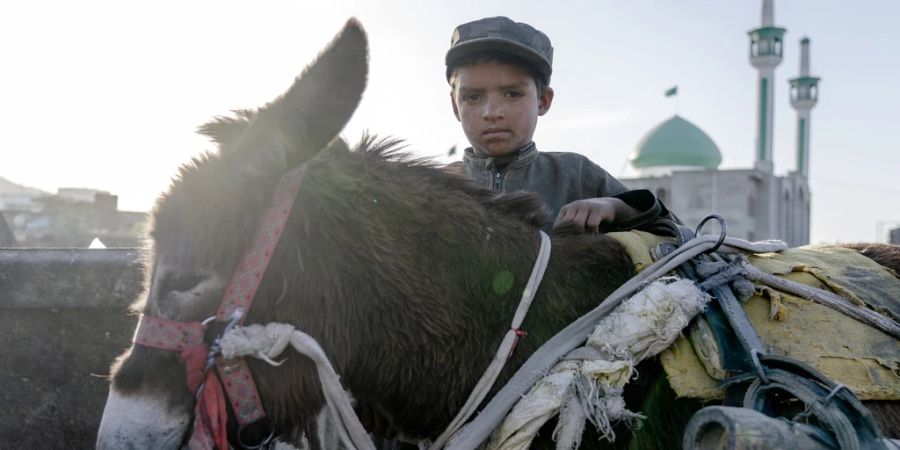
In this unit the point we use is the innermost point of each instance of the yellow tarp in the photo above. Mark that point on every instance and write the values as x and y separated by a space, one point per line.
638 245
848 351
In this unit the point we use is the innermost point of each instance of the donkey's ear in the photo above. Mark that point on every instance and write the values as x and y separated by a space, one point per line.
320 102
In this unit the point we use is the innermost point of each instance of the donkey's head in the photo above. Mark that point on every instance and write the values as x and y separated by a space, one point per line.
206 221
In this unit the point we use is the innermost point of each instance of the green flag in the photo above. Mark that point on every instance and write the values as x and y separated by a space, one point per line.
672 91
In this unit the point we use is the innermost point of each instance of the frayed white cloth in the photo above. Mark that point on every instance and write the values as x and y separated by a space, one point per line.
263 342
268 341
649 322
580 389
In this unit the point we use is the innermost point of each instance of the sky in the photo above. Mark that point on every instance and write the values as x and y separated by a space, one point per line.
108 94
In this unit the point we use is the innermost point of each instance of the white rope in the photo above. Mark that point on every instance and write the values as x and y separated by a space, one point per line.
269 341
506 346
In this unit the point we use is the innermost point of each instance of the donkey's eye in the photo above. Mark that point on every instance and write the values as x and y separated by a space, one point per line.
178 282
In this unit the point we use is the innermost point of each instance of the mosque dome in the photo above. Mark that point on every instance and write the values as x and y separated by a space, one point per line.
676 143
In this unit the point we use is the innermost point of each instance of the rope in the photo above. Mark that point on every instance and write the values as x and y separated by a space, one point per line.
504 352
269 341
833 301
473 434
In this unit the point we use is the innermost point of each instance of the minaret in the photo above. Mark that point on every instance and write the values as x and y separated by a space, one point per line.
765 55
804 95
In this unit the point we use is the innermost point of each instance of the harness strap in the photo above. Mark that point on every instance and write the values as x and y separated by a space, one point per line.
574 335
168 334
833 301
504 352
249 272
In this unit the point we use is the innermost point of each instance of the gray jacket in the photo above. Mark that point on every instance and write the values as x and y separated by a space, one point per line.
560 178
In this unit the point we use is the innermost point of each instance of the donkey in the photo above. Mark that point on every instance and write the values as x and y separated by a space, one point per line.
407 275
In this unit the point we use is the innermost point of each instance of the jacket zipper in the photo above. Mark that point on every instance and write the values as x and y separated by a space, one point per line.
498 179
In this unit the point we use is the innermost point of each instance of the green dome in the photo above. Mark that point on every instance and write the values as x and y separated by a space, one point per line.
676 142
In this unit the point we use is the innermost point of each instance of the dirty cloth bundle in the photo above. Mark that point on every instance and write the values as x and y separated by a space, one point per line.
587 385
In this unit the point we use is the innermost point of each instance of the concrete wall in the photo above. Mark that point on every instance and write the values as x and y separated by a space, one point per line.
63 319
752 201
693 195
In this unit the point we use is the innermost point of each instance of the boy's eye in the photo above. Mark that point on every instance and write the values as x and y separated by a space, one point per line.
470 97
514 94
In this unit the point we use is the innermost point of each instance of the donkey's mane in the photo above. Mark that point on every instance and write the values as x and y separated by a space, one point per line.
227 130
233 198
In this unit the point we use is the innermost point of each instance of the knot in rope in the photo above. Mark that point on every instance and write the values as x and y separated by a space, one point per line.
733 273
266 342
260 341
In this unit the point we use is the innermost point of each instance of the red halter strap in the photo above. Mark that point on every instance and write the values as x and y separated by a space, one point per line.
168 334
249 272
187 337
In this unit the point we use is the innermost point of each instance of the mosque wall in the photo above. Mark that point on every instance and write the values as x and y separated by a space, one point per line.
793 204
692 195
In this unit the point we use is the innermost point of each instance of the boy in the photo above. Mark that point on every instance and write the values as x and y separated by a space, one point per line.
499 73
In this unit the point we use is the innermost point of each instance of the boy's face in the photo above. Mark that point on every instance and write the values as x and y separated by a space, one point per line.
498 106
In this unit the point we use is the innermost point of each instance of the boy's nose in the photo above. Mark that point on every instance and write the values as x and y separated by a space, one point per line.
493 111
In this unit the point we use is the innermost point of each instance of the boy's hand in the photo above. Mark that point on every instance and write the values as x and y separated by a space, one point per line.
588 214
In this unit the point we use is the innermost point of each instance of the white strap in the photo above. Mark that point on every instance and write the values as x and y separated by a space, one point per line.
490 374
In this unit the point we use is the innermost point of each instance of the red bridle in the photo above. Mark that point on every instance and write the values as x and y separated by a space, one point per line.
187 338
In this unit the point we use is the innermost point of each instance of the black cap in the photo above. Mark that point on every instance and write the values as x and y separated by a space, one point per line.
501 34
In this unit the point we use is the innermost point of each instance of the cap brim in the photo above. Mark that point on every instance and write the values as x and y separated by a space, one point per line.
461 51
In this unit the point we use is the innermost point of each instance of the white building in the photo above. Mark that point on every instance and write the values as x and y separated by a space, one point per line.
679 162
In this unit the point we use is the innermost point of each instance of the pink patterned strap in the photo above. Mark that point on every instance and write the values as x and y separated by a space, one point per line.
241 390
250 269
168 334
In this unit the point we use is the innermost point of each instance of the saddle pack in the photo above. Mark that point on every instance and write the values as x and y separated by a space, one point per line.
849 352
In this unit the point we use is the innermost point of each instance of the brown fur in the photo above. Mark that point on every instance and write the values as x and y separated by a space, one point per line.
395 266
887 255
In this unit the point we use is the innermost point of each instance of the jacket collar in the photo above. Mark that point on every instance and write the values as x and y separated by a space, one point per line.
520 158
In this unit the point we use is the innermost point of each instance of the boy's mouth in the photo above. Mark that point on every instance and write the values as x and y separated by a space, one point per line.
494 133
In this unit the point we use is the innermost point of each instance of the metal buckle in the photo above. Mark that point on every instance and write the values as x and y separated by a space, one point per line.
723 230
216 348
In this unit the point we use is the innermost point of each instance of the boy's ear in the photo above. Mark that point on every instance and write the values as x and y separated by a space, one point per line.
545 100
453 103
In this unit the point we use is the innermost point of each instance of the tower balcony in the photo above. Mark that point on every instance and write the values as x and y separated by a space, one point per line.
804 92
766 46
